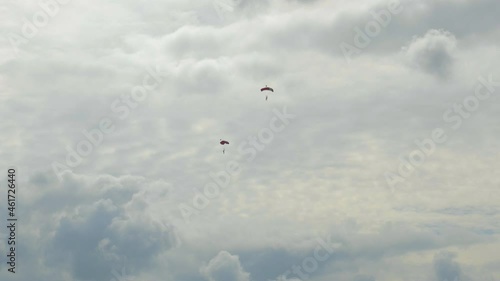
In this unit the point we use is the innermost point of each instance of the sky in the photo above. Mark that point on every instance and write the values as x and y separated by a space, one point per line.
374 159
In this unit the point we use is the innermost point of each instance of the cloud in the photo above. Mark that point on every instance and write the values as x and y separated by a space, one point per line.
94 236
323 174
225 267
446 269
364 277
433 53
101 237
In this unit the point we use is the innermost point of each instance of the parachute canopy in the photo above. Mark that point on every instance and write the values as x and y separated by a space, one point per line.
223 142
266 88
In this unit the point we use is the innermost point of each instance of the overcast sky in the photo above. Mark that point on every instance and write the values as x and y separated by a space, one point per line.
112 113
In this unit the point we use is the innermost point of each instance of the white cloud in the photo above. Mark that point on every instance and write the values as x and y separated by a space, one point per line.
224 267
323 174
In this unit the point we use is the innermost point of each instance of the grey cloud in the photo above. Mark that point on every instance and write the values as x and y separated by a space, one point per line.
446 269
102 224
355 251
353 123
77 238
102 237
364 277
264 264
433 53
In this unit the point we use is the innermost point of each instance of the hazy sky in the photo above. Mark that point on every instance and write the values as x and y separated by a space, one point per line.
112 112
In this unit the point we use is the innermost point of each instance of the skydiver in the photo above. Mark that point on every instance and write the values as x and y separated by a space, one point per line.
223 142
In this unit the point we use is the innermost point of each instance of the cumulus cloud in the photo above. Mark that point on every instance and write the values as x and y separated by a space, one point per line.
433 53
446 269
102 236
99 224
225 267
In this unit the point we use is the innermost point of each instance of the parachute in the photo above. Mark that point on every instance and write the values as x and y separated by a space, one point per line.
223 142
266 88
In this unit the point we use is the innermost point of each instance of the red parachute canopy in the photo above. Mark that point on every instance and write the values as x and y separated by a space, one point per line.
266 88
223 142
